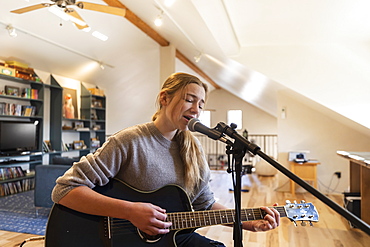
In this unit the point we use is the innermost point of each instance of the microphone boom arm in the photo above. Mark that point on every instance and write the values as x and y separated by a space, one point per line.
223 128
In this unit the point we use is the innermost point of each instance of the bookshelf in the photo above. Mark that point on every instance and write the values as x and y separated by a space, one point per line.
87 128
21 101
17 173
92 121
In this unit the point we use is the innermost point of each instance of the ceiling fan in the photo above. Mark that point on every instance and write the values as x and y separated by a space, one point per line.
68 7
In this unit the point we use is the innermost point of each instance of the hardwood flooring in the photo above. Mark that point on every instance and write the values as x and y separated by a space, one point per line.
332 230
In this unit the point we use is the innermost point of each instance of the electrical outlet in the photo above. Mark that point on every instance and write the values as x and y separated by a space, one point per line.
338 174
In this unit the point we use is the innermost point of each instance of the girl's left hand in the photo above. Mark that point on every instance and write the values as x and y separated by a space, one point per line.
270 221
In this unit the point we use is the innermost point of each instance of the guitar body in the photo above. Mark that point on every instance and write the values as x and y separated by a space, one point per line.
69 228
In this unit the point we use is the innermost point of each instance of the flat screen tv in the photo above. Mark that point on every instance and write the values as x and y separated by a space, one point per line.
17 137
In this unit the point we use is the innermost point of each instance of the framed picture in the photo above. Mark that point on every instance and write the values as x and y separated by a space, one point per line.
95 143
10 90
96 127
97 103
70 103
94 116
78 144
77 125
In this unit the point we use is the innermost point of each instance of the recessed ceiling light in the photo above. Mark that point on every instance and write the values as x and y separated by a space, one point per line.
100 36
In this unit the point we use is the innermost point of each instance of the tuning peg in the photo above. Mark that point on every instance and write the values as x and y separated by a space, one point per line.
287 202
311 223
295 202
303 223
303 201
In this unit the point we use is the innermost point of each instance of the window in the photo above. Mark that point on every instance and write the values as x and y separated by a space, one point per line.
236 117
205 118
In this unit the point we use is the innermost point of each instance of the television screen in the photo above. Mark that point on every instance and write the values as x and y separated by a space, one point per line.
18 136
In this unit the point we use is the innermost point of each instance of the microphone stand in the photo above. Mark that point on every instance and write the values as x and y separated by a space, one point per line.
238 152
253 148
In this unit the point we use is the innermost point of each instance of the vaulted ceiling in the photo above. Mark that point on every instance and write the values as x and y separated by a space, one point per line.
317 48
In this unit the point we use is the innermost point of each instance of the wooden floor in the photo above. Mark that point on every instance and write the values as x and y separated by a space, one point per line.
331 231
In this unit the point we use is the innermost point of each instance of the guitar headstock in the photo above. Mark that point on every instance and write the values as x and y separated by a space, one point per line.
301 212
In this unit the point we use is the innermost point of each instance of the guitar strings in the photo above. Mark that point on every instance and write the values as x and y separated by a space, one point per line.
185 220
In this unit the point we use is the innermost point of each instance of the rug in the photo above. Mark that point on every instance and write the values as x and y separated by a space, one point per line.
18 214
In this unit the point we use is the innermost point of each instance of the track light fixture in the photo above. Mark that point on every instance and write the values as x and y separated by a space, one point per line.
11 31
198 57
159 20
101 65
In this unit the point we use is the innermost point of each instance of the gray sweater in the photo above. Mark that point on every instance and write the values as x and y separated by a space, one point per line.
141 157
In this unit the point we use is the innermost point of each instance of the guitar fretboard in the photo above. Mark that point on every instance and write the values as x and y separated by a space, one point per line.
184 220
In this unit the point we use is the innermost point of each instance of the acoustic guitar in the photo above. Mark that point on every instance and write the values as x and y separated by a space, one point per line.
69 228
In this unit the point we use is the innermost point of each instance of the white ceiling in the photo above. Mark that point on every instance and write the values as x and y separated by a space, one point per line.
317 48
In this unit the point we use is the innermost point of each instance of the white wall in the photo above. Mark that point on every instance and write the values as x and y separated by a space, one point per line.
255 120
131 98
307 127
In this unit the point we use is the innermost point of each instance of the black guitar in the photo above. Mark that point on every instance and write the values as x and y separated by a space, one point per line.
69 228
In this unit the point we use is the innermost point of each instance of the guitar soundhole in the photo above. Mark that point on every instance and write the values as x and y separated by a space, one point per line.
149 238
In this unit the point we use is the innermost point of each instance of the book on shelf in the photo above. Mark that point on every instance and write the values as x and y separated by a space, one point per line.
30 93
11 172
64 146
28 110
12 187
46 146
17 109
2 108
17 186
34 94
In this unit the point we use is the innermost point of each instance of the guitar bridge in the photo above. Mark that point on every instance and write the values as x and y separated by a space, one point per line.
107 227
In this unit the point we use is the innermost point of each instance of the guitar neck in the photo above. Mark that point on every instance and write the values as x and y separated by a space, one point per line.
184 220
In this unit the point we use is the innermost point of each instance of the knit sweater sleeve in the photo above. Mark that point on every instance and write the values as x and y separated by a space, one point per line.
93 169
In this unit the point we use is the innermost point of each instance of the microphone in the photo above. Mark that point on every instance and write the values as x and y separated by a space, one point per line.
195 125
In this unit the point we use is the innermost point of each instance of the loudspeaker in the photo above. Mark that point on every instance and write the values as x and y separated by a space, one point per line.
352 202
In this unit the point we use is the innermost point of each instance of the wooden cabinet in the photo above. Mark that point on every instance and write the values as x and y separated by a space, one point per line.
359 167
306 171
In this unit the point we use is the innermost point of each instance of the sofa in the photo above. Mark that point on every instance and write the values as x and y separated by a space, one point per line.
45 176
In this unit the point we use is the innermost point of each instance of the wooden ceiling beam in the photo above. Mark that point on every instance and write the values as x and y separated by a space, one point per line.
191 65
134 19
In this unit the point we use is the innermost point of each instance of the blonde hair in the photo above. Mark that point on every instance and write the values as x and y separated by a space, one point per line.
190 151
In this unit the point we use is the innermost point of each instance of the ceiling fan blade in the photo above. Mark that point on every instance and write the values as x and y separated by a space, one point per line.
102 8
30 8
74 14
